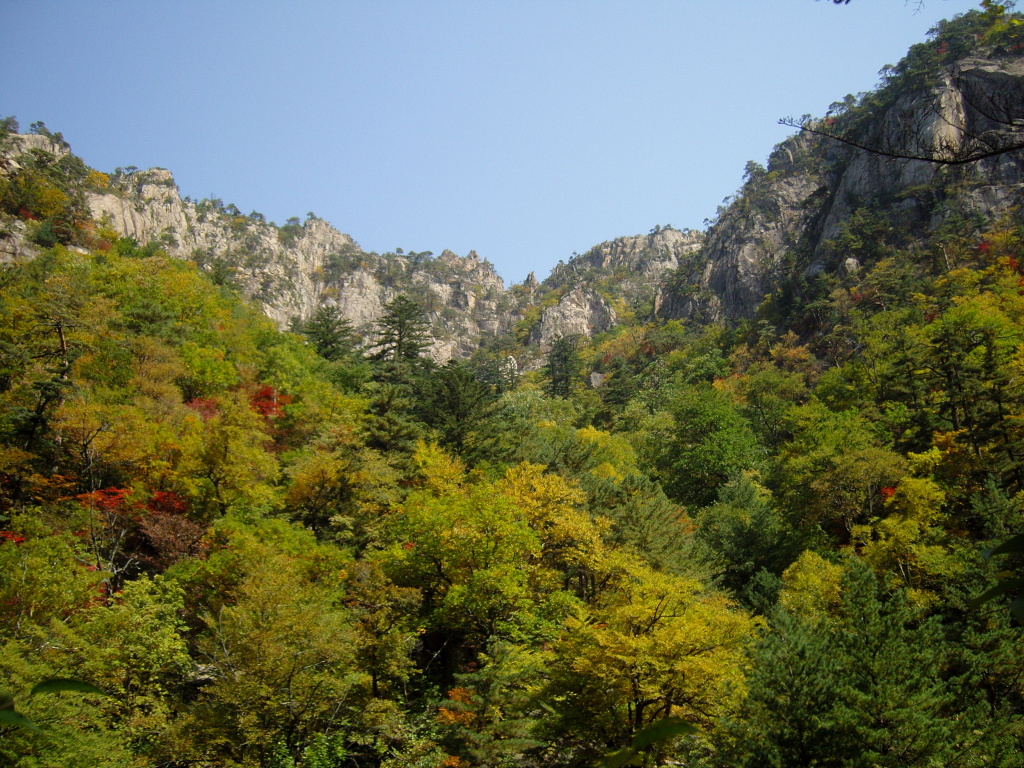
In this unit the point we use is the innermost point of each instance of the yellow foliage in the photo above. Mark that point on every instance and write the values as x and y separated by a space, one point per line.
97 180
442 473
811 586
902 546
659 645
552 507
51 201
620 453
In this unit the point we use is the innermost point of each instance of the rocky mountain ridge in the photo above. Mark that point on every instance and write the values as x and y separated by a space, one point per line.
804 215
614 281
293 269
801 219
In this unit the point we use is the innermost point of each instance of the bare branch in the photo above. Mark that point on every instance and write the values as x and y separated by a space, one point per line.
928 158
970 115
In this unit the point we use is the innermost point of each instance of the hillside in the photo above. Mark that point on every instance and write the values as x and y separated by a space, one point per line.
293 269
752 497
808 216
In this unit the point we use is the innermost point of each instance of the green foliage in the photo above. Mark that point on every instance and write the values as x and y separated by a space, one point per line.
706 443
46 190
747 542
876 686
469 554
562 368
330 333
455 403
401 331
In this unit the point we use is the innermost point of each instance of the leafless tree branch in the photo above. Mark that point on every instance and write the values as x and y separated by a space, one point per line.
971 116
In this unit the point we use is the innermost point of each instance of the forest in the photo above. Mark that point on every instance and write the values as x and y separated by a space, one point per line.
762 544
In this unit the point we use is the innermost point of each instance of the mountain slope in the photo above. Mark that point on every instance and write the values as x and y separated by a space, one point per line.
805 215
292 269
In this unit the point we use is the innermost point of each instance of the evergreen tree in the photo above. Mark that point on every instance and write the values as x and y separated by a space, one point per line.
562 367
747 542
402 332
330 333
454 402
388 426
874 685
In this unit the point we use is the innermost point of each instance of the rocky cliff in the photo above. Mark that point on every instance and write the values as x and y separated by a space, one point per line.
16 151
803 215
612 282
292 269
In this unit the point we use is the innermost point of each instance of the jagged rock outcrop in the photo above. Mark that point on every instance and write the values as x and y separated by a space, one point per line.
744 255
292 270
284 273
633 264
579 312
614 278
14 242
784 223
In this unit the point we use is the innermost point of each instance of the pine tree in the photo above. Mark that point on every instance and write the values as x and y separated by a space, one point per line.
402 332
454 402
330 333
875 685
562 367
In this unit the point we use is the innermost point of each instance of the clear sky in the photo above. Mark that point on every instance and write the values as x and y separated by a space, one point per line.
523 129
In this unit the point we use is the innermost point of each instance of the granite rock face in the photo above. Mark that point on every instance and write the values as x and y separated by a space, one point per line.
579 312
622 276
14 242
282 273
294 269
783 223
744 254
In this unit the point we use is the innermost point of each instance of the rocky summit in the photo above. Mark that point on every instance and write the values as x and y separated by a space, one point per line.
292 269
791 223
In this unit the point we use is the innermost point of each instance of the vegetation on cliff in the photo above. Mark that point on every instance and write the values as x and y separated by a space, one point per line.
291 551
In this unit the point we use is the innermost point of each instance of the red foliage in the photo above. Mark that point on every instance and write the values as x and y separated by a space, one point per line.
167 502
109 500
267 402
154 534
408 545
26 214
887 493
11 536
206 407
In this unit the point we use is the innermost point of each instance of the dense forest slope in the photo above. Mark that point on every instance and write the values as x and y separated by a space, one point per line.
753 534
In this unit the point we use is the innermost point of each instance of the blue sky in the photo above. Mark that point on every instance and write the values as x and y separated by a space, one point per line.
523 129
